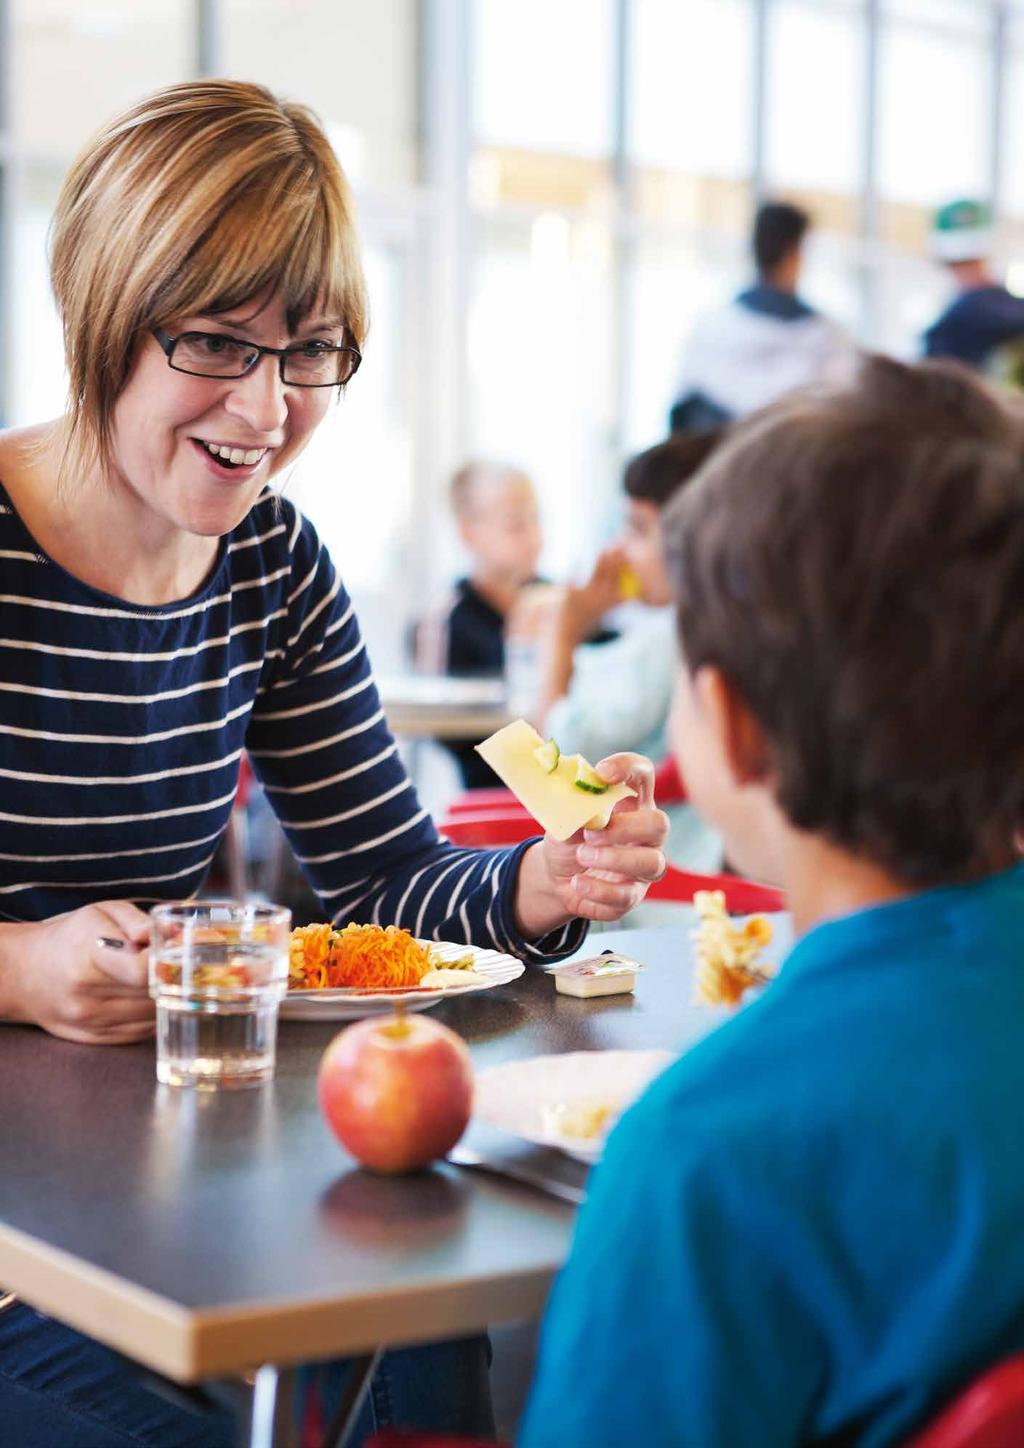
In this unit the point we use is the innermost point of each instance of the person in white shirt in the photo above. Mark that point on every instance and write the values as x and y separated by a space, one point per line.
765 342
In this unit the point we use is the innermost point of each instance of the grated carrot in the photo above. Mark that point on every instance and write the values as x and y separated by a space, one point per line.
362 957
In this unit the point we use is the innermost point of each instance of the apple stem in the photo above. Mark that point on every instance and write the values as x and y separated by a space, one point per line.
399 1027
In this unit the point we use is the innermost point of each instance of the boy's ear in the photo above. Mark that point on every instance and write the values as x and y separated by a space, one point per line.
740 736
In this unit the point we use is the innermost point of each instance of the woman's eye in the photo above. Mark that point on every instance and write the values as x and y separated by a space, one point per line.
315 349
211 343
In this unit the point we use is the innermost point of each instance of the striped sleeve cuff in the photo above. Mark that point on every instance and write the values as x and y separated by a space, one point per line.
556 945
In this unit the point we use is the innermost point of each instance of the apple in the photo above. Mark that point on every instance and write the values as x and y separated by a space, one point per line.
397 1092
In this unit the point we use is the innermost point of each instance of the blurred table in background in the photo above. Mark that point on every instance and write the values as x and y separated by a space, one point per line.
437 706
425 707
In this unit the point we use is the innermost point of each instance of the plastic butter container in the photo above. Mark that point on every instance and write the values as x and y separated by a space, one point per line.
604 974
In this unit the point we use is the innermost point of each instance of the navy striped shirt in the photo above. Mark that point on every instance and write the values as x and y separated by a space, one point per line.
122 727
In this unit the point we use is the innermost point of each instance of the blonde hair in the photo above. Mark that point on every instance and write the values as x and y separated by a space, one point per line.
473 476
198 199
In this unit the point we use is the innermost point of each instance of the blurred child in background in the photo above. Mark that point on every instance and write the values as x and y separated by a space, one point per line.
495 510
596 700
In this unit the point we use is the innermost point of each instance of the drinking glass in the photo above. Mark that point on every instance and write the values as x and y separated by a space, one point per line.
217 972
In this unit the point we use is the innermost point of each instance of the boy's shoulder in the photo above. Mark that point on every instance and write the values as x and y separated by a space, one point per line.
854 1019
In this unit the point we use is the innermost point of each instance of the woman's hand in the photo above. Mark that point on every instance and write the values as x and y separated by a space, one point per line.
599 874
57 975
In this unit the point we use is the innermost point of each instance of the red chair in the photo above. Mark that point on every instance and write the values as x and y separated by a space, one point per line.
668 782
989 1413
502 827
472 801
484 828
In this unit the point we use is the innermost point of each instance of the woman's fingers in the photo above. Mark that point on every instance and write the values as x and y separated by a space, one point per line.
597 899
128 923
92 1009
127 966
636 770
630 827
634 862
122 1035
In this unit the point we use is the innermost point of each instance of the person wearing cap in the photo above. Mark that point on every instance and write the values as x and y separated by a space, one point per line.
984 324
766 341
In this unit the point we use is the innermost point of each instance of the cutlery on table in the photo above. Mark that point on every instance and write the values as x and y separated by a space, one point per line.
518 1172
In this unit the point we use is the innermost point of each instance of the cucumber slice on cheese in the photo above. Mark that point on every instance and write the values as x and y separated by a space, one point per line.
547 756
587 778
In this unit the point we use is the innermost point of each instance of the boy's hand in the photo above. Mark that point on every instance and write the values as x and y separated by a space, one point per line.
597 874
583 608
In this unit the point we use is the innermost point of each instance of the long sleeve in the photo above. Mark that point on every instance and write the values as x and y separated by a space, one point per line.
331 769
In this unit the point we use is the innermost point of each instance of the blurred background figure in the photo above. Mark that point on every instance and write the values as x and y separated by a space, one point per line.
984 323
765 342
495 510
597 698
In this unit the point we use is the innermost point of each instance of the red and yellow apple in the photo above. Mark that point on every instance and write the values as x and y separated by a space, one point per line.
397 1092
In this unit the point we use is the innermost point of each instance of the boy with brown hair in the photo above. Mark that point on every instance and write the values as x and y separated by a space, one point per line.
808 1229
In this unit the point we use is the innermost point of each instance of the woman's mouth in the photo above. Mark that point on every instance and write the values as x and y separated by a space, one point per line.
226 459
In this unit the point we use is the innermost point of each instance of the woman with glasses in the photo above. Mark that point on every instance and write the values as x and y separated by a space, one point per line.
163 609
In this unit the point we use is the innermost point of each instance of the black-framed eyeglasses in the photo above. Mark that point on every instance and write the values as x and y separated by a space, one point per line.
215 354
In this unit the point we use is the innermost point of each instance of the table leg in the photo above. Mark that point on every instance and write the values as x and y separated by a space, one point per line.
272 1424
356 1387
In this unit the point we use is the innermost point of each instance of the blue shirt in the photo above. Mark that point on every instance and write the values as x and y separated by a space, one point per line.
122 726
976 325
811 1227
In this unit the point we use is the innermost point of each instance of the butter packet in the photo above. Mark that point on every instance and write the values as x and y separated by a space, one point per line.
606 974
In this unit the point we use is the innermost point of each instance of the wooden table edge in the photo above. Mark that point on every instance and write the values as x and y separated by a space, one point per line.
189 1345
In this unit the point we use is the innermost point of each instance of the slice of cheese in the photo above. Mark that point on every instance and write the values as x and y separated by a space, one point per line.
552 799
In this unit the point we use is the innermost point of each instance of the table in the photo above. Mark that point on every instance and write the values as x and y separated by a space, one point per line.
438 706
202 1234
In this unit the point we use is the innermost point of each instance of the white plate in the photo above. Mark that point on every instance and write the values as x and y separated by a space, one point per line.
518 1095
350 1005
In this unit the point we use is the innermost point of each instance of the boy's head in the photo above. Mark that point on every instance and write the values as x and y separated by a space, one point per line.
651 480
495 508
779 231
849 572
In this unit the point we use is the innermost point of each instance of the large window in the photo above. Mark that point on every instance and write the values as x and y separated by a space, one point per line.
540 368
542 103
355 63
549 191
690 123
78 63
934 121
814 118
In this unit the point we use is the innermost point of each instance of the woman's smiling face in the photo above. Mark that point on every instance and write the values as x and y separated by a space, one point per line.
165 422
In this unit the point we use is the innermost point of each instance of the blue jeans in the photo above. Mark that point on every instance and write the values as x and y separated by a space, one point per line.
59 1389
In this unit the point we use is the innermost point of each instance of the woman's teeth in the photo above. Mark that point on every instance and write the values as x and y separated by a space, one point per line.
235 455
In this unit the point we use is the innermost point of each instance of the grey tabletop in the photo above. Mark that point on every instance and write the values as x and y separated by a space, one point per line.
201 1233
438 706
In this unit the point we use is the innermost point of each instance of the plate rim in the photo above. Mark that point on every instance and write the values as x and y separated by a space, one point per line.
576 1147
352 995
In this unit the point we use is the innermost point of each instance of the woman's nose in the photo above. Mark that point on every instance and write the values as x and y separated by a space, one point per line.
258 398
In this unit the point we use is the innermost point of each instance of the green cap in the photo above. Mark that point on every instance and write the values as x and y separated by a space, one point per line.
962 231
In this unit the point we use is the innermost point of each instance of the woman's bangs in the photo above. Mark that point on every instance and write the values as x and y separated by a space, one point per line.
282 247
317 276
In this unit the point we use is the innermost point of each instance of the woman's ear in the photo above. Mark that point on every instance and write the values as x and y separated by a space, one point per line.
741 740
